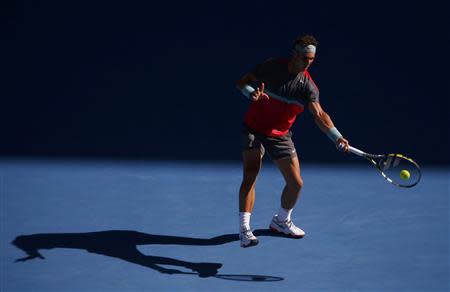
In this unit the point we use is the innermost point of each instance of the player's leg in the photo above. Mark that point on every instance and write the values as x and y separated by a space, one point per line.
290 169
252 155
252 160
281 222
282 150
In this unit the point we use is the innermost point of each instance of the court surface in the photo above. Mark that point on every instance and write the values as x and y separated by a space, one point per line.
166 226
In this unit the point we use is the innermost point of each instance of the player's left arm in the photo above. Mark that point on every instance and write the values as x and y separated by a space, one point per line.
324 122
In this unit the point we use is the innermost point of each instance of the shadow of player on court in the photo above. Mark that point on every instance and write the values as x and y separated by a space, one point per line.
122 244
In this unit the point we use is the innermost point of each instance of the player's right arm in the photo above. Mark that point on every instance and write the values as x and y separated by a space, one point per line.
324 122
244 86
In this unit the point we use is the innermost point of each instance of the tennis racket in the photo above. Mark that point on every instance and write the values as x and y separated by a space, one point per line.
397 169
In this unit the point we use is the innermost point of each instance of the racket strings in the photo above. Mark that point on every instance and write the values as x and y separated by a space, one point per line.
390 162
400 170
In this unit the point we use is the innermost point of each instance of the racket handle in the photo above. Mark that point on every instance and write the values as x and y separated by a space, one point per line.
356 151
353 150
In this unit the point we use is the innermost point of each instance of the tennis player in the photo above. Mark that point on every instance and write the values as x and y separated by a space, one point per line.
279 90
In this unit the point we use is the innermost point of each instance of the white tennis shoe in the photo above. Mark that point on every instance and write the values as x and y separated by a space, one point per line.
247 238
286 227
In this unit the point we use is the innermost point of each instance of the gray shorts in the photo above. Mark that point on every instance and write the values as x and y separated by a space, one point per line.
277 147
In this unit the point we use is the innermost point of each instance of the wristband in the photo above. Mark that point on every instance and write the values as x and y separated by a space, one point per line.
247 91
334 134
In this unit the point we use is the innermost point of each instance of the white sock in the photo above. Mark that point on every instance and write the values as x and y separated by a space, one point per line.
284 215
244 220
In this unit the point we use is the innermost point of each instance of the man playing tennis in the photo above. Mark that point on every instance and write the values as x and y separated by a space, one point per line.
283 88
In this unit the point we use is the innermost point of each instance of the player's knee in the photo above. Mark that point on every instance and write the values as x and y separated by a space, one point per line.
250 178
296 185
300 183
250 175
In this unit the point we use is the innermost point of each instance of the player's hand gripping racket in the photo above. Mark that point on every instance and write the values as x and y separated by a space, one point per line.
397 169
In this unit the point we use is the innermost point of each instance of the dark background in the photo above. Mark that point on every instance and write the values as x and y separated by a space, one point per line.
140 79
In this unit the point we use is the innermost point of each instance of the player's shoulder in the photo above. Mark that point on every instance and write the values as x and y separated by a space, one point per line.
276 60
308 76
273 64
310 81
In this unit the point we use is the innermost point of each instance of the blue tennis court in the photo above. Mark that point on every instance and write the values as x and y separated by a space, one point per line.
166 226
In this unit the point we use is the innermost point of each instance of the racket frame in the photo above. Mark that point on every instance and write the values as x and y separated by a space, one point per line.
372 157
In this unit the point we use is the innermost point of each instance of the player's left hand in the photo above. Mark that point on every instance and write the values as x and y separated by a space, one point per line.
259 93
342 144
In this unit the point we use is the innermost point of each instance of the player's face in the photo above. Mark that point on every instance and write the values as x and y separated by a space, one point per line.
303 61
306 59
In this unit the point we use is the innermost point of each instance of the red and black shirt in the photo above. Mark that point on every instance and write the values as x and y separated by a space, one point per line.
288 95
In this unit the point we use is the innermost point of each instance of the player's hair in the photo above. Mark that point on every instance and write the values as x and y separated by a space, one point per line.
305 40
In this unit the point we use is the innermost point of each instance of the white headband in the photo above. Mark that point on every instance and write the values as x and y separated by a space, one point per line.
305 49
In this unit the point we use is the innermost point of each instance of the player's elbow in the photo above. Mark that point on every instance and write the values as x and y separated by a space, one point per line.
246 79
240 84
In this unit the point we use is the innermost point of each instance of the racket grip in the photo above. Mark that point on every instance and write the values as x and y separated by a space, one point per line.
356 151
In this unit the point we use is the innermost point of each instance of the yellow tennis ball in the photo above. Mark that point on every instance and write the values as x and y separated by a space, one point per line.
404 174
